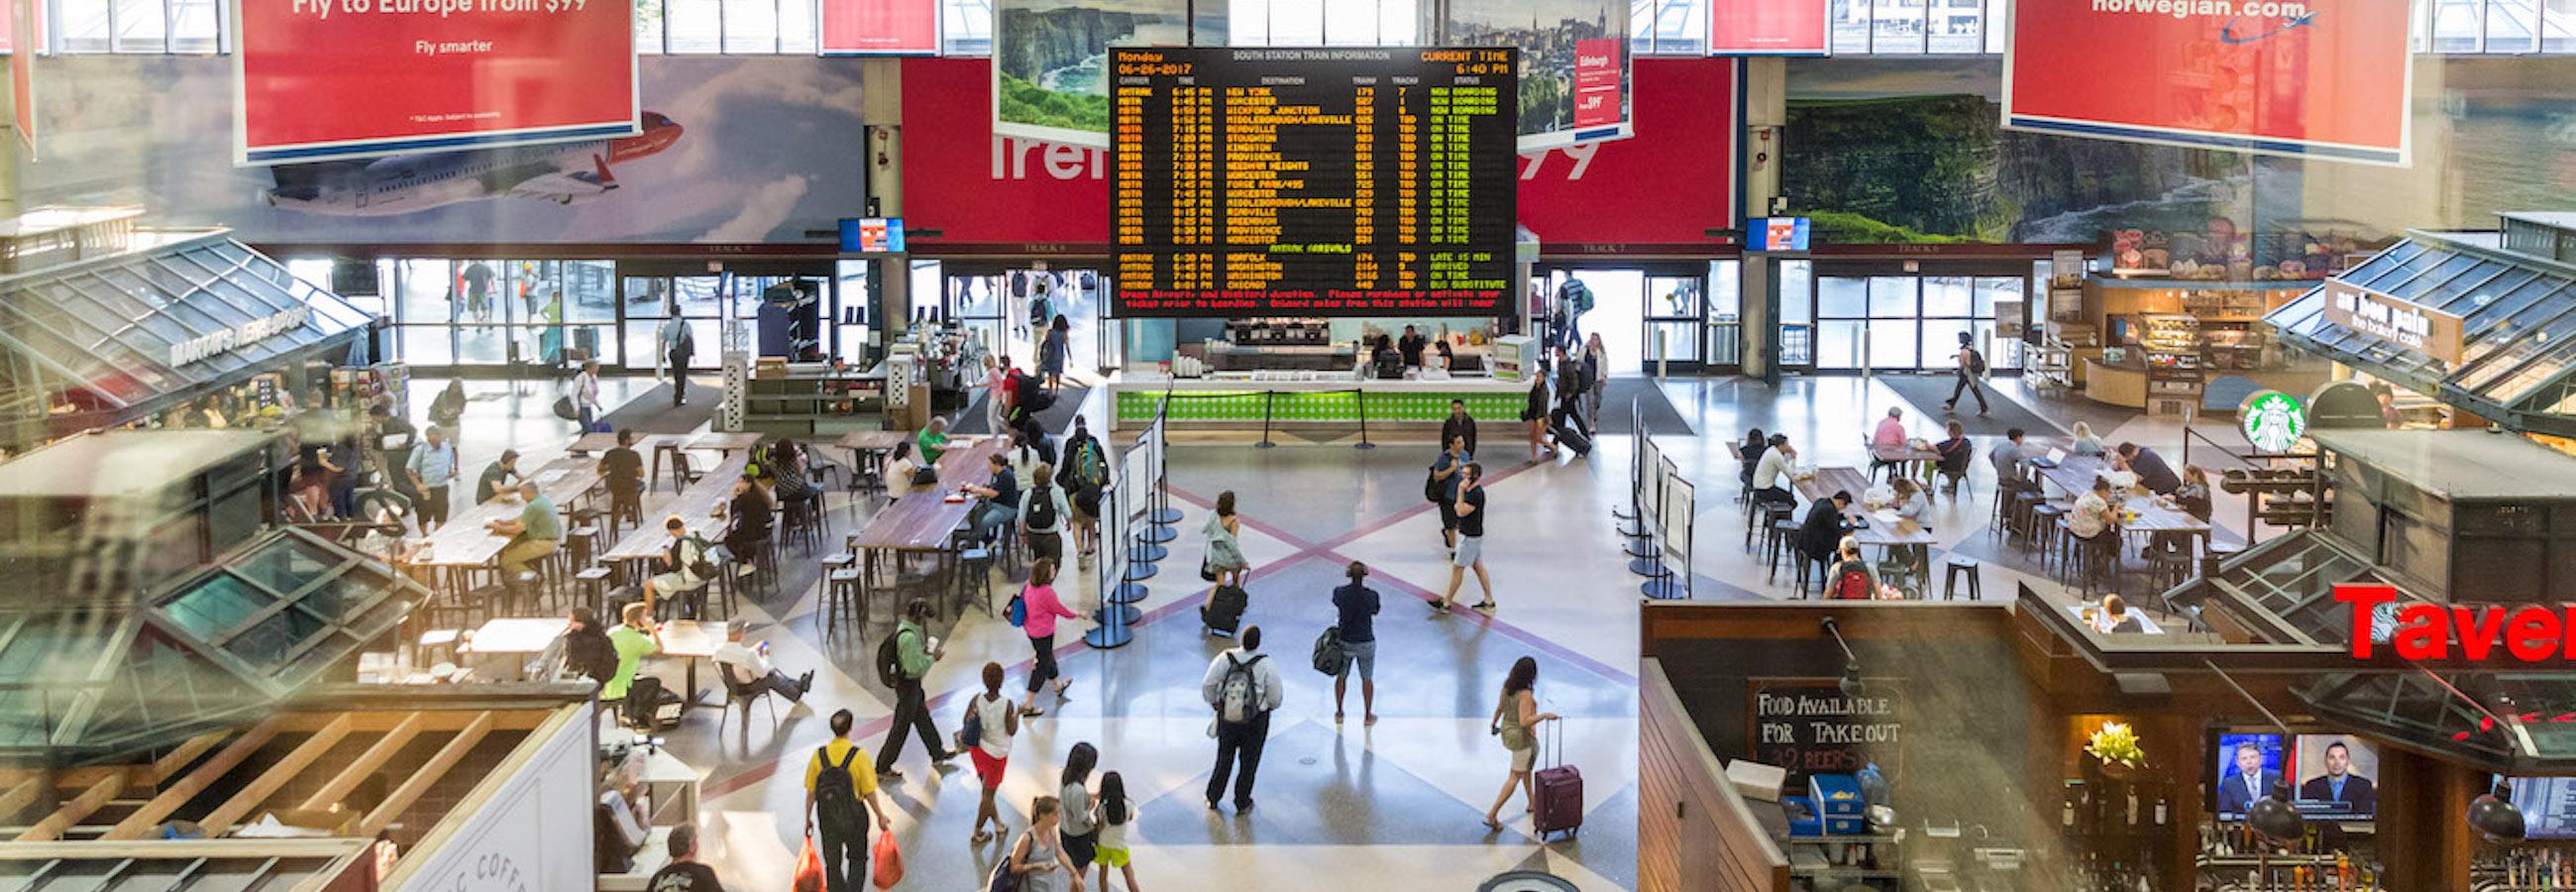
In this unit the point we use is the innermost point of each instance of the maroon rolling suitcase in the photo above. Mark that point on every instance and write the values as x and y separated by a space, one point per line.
1559 807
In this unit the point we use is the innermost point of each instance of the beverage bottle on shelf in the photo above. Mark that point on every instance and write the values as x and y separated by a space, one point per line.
2133 808
2160 809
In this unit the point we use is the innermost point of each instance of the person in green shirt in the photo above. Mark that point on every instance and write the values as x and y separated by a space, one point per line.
914 653
634 640
932 441
534 534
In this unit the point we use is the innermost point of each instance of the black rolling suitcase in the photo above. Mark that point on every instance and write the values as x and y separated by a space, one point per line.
1568 437
1223 612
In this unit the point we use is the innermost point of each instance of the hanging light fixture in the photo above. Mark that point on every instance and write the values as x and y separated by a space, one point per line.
1851 684
2495 817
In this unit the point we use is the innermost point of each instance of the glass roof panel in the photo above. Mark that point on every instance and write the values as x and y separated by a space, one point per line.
286 565
214 606
2520 320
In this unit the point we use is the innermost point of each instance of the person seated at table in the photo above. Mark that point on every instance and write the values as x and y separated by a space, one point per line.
1891 430
2115 617
621 469
1749 455
587 651
1001 498
786 468
1823 528
634 639
1955 453
750 668
534 534
2193 494
496 477
932 441
2151 469
2093 521
1771 473
2007 459
1912 503
2085 442
751 512
901 474
1851 578
680 562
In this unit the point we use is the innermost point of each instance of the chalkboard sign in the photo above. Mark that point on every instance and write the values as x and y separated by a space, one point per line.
1807 726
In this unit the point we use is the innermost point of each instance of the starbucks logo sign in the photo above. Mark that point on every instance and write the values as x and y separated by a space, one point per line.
2271 420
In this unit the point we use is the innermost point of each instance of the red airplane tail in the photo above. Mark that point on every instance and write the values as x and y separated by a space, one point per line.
606 180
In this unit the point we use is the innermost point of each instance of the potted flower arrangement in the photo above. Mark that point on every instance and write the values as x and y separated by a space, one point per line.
2117 748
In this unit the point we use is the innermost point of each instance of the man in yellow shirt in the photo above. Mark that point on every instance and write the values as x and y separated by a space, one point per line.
840 794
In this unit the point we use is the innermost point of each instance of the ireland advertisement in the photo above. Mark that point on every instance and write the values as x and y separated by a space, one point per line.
320 79
1574 64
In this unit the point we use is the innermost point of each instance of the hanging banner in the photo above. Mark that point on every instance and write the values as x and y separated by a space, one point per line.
1051 57
2313 78
322 79
880 28
1673 182
1574 65
1768 27
22 75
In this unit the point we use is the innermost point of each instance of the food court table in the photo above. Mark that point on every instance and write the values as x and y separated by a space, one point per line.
1918 461
921 521
692 640
465 543
1827 481
868 450
695 506
2139 512
517 637
724 442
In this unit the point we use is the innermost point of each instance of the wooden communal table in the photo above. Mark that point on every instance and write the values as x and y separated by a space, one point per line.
464 541
920 522
517 637
1879 532
1918 462
603 441
695 506
2140 511
869 449
724 442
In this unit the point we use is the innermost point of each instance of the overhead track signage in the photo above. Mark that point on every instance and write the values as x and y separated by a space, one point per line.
322 79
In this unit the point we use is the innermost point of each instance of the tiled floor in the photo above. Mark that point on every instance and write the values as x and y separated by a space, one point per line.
1394 805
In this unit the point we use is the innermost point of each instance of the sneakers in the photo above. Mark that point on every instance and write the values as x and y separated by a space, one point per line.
890 774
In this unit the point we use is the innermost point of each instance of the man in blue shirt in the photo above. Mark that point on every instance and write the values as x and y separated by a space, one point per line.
433 470
1001 499
1357 604
1444 472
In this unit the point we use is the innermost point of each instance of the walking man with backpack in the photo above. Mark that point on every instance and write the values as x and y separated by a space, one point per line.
902 659
1085 476
1972 367
1243 686
1043 510
840 796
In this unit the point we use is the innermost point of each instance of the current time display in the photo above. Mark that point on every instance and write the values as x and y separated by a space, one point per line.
1313 182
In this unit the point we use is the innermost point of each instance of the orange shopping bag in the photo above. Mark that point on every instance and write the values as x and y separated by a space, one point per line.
809 868
886 861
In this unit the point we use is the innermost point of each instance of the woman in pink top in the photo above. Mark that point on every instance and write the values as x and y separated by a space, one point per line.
1043 609
997 396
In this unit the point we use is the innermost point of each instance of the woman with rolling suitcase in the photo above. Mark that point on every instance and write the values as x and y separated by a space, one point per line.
1516 719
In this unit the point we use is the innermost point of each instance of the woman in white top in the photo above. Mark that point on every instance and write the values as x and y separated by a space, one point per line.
1116 813
996 723
1036 859
1912 503
897 474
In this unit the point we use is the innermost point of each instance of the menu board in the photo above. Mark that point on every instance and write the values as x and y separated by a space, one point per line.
1313 182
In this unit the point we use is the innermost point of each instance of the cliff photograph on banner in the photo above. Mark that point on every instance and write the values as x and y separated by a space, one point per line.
2306 78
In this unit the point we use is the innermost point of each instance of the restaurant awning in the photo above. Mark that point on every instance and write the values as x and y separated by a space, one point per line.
107 340
81 682
2518 360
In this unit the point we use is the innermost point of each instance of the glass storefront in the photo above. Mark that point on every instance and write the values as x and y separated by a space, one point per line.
1838 316
507 314
1684 314
992 301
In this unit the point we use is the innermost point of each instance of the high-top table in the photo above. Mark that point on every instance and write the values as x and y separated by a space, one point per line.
1878 532
695 506
920 522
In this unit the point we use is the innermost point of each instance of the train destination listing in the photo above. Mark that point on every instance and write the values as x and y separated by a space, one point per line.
1321 182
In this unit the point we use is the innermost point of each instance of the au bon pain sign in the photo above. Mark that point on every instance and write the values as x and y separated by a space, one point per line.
2409 325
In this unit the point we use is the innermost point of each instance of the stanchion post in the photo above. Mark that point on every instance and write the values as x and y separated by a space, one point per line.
1267 398
1364 440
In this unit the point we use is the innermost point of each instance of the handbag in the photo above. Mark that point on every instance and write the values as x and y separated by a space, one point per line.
1330 657
1207 570
1431 489
1003 879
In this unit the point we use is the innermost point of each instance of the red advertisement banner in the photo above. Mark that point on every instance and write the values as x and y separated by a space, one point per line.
22 82
880 28
1767 28
323 79
2318 78
1669 184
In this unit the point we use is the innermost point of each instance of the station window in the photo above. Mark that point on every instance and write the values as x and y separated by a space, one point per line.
1323 23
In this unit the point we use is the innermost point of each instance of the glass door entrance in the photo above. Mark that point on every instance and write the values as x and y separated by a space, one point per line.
1645 314
995 304
1887 320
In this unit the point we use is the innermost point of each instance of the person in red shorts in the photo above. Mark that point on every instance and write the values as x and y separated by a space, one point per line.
996 720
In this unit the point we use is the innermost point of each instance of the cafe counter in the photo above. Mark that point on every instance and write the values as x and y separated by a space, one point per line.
1312 400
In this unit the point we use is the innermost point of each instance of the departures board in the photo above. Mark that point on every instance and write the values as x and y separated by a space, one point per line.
1313 182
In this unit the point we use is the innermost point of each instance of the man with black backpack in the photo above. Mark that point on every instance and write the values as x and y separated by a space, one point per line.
903 658
1084 475
1042 513
1972 367
840 796
1243 687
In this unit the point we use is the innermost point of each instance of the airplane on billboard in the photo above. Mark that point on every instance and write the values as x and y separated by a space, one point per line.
404 184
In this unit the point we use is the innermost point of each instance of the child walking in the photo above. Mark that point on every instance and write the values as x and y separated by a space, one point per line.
1116 812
